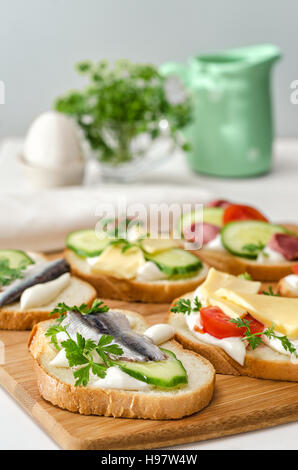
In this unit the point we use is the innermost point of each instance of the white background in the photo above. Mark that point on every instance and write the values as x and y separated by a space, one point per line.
40 40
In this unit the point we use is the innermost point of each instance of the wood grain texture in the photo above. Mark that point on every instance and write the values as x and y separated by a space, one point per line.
240 404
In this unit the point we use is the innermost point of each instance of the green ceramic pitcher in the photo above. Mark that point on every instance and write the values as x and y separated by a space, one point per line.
232 131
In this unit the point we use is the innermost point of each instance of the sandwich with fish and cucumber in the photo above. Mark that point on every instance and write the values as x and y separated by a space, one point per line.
240 328
135 268
108 362
31 285
239 238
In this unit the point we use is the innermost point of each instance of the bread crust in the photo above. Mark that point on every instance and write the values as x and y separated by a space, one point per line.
25 320
117 403
132 291
254 365
224 261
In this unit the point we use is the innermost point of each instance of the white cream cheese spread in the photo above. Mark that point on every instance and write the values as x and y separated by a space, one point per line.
149 272
42 294
270 256
160 333
215 244
117 379
233 346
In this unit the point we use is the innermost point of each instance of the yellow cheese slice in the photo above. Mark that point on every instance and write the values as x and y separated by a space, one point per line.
152 245
122 265
229 308
218 279
282 312
215 280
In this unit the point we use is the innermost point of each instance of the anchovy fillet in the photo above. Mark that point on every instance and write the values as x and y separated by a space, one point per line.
135 347
36 275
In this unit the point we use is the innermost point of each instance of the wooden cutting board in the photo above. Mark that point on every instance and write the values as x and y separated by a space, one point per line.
239 404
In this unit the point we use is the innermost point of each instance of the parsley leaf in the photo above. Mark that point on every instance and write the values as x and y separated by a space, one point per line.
99 370
79 353
104 347
198 305
97 307
185 306
53 331
75 351
287 345
270 292
255 339
254 248
8 274
125 244
245 276
82 376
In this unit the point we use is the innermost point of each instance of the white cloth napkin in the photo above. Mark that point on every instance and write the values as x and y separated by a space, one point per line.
41 220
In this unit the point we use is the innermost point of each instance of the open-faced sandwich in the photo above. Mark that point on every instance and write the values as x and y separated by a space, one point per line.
31 285
239 329
108 362
238 239
288 285
136 268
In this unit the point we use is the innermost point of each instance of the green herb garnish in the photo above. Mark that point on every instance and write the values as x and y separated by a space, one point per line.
8 274
79 352
255 339
245 276
125 244
53 330
270 292
123 101
97 306
185 306
254 248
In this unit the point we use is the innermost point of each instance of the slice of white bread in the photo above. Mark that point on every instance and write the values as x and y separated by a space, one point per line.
262 362
76 293
56 385
122 289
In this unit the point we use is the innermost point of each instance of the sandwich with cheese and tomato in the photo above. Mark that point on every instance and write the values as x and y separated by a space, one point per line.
239 328
239 238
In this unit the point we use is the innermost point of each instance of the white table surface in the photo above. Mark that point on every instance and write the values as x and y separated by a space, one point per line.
276 194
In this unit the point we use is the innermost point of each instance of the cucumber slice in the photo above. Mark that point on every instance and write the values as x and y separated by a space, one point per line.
211 215
165 374
247 238
16 258
85 243
175 262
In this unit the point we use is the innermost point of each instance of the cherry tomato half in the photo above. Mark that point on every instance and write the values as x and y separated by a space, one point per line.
218 324
236 212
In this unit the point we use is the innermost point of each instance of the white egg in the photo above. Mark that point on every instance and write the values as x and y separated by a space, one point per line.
52 142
